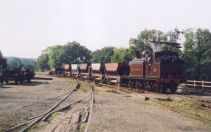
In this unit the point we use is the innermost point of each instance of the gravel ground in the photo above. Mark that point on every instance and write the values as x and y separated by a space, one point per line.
127 113
124 112
20 102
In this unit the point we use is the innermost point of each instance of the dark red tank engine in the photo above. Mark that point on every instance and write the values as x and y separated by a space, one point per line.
159 71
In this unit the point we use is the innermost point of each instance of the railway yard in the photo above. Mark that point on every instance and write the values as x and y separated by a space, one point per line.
113 109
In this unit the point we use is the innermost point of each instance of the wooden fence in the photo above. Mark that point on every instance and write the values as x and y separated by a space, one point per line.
198 87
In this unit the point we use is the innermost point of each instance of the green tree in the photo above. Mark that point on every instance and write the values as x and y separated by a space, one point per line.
42 62
121 55
197 54
104 55
1 56
55 56
75 53
14 62
142 42
28 63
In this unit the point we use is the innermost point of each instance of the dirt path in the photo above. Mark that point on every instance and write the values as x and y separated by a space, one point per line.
123 113
112 111
19 102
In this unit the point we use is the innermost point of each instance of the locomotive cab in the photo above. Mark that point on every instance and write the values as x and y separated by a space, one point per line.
166 69
3 66
171 66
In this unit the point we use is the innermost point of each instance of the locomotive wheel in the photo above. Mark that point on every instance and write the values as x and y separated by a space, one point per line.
137 85
170 89
173 88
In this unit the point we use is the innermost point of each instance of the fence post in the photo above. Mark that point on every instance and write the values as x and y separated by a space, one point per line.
202 85
194 85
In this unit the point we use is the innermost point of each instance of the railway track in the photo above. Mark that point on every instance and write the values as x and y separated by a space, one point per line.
25 126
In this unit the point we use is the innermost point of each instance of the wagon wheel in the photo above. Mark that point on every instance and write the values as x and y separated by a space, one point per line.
21 81
108 81
119 83
130 84
29 80
16 81
136 86
6 81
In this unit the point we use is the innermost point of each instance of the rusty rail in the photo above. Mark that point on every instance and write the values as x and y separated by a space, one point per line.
42 116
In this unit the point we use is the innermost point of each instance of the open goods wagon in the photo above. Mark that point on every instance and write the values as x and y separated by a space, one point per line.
116 73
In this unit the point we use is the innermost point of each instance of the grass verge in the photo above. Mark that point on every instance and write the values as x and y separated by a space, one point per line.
191 108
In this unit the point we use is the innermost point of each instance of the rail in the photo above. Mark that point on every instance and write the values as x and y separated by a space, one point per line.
44 115
25 126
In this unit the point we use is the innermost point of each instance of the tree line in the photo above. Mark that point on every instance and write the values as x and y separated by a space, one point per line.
196 52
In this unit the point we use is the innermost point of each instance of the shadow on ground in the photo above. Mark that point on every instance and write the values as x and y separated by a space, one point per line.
31 83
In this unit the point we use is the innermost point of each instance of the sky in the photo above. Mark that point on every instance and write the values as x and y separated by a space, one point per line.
29 26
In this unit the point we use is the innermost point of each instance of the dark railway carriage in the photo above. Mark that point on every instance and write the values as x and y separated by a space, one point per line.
3 67
160 71
85 71
116 73
98 70
59 71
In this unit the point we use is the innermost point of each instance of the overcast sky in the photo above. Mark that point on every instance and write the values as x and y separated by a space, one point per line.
29 26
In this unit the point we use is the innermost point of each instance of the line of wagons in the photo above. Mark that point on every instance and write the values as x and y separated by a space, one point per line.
159 71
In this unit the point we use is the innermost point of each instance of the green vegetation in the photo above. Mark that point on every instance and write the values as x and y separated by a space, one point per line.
192 108
1 56
104 55
196 53
54 114
83 126
14 62
56 56
113 91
